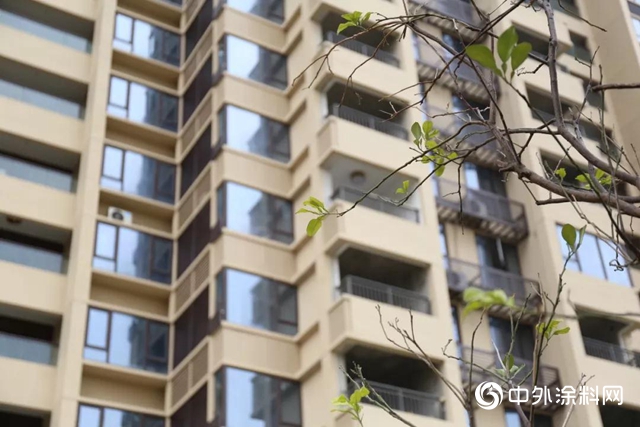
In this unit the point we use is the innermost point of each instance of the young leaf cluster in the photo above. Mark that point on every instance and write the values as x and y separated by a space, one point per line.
355 19
315 207
510 368
551 329
351 405
601 176
478 299
510 52
424 139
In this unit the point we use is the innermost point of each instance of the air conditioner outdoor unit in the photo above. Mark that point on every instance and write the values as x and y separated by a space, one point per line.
476 207
120 214
457 280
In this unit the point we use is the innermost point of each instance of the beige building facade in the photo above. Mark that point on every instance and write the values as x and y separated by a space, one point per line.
152 156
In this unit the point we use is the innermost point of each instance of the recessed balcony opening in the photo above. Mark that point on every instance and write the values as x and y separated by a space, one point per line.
619 416
349 180
33 244
383 279
28 336
366 109
11 417
405 384
605 339
371 43
459 10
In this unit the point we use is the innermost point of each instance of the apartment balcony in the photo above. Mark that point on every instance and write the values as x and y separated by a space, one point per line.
28 349
27 419
456 9
459 77
32 386
370 121
407 400
386 294
376 202
462 275
481 210
363 48
612 352
548 376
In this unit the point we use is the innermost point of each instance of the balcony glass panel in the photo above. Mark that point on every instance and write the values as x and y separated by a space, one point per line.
92 416
36 172
44 31
248 60
146 40
134 173
253 133
29 349
133 253
32 252
247 210
142 104
41 99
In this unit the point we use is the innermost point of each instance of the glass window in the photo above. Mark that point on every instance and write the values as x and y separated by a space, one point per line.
248 60
251 211
523 343
191 327
272 10
94 416
636 27
256 301
146 40
134 173
194 163
37 172
32 252
197 90
126 340
594 258
194 238
133 253
250 399
89 416
142 104
251 132
41 99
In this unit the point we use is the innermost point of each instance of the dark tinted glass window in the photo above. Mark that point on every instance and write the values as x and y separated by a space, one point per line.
251 132
480 178
146 40
272 10
133 253
125 340
256 301
197 90
96 416
267 402
134 173
194 412
198 158
191 327
251 211
194 238
142 104
248 60
198 26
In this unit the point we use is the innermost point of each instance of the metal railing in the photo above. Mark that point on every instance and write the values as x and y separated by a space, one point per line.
548 376
481 204
462 274
457 9
436 58
363 48
612 352
373 201
381 292
368 120
407 400
29 349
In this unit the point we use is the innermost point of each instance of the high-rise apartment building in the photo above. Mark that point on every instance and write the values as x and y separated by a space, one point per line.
152 153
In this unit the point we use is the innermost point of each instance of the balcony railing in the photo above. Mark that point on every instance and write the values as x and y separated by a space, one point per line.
363 48
612 352
381 292
376 202
407 400
456 9
483 210
462 274
548 376
368 120
29 349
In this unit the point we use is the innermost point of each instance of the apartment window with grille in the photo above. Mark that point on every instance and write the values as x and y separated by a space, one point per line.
594 259
257 302
99 416
143 39
248 60
247 210
125 340
142 104
191 327
248 131
135 173
267 400
133 253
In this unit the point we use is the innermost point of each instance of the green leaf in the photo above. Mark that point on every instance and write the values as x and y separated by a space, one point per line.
520 54
358 395
569 235
365 17
472 306
562 331
498 296
561 173
427 127
303 210
315 203
506 43
404 188
599 174
439 171
581 233
313 226
482 55
341 400
582 178
472 294
416 131
509 361
343 26
452 156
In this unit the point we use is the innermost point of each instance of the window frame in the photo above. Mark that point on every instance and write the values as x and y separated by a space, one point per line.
143 416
